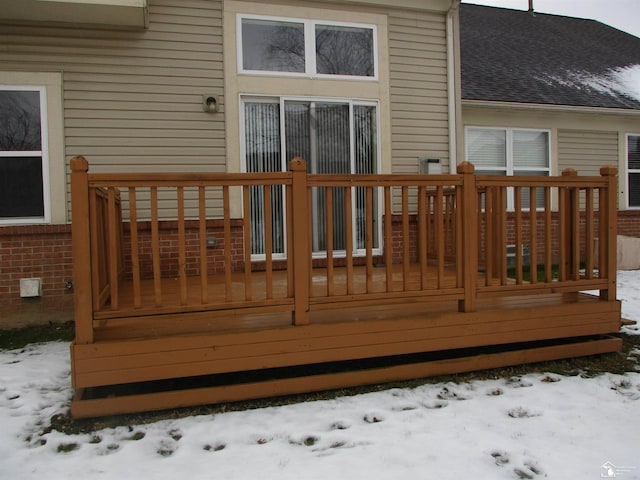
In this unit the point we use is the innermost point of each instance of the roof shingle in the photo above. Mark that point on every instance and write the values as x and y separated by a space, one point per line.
516 56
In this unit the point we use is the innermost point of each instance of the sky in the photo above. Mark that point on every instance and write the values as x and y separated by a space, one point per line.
621 14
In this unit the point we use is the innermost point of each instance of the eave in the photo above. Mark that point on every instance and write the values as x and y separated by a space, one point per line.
549 107
130 14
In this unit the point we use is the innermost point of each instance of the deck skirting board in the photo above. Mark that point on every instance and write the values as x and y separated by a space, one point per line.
130 361
109 405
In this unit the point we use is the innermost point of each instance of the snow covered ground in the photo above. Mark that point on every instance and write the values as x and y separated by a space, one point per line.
536 426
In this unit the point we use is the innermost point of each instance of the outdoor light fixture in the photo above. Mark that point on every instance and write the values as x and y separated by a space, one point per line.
209 103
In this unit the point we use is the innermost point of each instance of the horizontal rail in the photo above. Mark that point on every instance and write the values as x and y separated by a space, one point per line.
186 179
540 181
362 180
256 306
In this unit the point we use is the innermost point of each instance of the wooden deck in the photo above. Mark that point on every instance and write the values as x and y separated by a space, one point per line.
444 295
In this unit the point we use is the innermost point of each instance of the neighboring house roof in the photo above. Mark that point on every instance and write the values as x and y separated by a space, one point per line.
518 56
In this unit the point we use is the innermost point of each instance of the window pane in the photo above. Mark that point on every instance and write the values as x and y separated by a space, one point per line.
365 132
333 155
526 191
633 146
487 148
262 145
344 50
365 162
272 46
20 120
297 121
21 187
262 137
530 149
634 189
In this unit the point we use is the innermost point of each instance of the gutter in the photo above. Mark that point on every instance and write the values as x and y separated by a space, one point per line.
453 82
549 107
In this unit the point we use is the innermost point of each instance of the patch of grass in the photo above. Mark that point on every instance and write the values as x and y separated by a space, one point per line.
136 436
541 274
20 337
67 447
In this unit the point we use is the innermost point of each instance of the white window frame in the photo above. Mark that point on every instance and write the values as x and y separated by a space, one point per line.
309 48
281 100
629 171
509 167
43 153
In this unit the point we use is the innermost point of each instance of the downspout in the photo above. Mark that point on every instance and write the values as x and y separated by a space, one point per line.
453 76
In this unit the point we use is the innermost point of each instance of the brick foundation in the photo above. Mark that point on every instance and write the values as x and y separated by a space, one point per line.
44 251
35 251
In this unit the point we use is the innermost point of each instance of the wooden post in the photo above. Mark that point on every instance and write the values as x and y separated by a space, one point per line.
300 253
569 232
573 227
609 214
81 251
468 205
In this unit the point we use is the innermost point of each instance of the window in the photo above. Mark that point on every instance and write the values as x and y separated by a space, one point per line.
23 155
306 48
507 151
333 136
633 171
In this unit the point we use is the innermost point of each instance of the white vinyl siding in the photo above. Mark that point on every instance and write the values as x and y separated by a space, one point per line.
133 99
418 87
586 151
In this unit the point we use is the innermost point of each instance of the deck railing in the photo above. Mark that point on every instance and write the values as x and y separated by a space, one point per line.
443 237
569 247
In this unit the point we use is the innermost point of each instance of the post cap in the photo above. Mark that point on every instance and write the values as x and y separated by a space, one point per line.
609 171
79 164
298 165
465 167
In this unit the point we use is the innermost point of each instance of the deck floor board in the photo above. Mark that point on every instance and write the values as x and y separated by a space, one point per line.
172 319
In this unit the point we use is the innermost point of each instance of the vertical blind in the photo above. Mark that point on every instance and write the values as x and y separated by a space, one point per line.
633 166
333 137
263 154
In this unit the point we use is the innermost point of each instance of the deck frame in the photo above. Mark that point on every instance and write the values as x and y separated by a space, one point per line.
446 289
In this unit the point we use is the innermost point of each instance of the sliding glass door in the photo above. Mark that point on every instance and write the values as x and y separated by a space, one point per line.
334 137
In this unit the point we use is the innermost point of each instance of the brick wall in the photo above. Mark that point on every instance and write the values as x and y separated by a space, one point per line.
44 251
35 251
169 249
629 223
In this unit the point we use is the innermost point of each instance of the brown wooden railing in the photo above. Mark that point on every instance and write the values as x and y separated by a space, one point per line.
443 237
555 247
107 262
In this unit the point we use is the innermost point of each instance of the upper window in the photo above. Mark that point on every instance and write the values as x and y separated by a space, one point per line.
633 170
509 151
23 157
306 48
